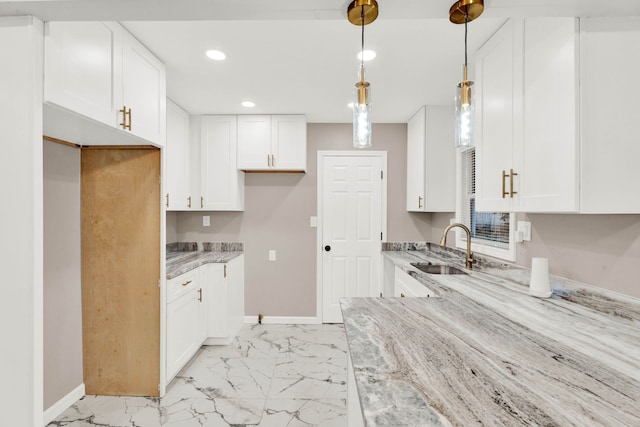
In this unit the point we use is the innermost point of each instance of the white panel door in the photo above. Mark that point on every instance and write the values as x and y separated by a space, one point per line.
352 226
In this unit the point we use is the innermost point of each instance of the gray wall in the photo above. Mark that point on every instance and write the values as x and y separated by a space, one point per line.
62 298
600 250
276 216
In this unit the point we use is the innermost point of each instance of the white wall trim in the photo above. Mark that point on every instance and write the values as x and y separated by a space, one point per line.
284 320
55 410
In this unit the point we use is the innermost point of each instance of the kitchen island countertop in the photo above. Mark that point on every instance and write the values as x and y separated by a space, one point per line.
485 352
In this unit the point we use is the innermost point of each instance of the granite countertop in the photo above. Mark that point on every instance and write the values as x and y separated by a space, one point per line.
485 352
185 256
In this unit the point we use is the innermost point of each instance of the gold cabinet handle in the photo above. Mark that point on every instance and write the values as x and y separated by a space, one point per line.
511 175
225 271
200 296
186 283
201 202
167 203
268 161
126 124
189 201
273 161
419 202
504 177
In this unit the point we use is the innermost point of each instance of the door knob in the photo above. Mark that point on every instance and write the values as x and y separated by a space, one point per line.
327 248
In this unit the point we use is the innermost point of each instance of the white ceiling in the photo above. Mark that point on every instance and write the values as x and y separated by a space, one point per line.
298 56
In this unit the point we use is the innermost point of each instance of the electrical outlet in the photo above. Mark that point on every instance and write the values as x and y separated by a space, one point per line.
206 221
524 230
272 255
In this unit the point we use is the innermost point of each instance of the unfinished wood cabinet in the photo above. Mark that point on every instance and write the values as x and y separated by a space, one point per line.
120 193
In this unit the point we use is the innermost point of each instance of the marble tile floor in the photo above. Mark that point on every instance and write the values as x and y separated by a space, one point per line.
270 376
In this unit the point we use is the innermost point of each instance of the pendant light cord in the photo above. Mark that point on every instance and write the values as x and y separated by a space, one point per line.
362 43
466 19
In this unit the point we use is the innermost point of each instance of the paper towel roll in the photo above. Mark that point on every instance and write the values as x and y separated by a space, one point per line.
539 285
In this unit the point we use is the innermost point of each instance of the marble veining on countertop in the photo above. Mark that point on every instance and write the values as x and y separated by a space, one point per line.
487 353
185 256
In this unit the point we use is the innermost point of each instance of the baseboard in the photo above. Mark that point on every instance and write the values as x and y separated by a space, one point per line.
283 320
218 341
55 410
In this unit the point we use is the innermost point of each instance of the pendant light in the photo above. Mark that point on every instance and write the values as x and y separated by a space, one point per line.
463 12
362 12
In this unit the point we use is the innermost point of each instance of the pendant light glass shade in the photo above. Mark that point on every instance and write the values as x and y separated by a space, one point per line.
463 12
362 113
464 113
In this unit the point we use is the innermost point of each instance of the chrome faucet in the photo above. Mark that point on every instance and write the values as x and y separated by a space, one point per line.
469 260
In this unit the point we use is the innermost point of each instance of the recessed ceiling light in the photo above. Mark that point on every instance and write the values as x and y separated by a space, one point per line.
248 104
368 55
216 55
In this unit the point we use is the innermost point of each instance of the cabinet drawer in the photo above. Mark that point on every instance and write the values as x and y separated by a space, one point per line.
407 286
182 284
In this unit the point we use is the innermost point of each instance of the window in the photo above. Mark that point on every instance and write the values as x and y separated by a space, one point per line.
491 232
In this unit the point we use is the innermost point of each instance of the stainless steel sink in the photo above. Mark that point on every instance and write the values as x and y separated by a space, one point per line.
436 268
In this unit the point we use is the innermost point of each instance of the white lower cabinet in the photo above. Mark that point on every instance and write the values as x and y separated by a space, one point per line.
186 317
204 306
407 286
226 309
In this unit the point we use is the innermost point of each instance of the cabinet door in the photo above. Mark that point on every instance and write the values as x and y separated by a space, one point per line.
547 158
289 142
235 277
82 68
143 91
183 315
177 158
495 130
218 322
609 94
416 134
440 160
254 142
221 184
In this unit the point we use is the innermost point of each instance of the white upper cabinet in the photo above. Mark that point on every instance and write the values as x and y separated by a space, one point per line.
177 179
99 72
143 91
431 160
221 183
527 134
610 60
272 143
555 115
80 59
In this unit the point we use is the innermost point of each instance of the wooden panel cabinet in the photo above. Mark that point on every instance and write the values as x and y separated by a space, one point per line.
272 143
113 86
226 307
221 183
431 160
527 136
177 172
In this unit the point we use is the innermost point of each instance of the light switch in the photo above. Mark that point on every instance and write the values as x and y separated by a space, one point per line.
523 230
206 221
272 255
313 221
